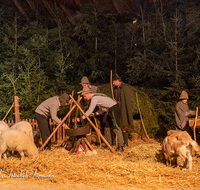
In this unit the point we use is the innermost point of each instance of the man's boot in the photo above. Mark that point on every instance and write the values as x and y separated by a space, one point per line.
120 149
125 134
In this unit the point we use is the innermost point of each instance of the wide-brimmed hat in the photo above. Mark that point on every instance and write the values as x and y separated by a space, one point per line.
84 80
86 90
65 98
115 77
184 95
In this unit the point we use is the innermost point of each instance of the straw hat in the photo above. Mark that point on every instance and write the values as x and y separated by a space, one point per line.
184 95
65 98
86 90
84 80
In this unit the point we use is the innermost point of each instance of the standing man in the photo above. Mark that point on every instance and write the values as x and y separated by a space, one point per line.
182 114
98 99
123 97
85 103
48 109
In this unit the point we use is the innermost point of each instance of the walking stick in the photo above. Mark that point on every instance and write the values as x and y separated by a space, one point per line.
112 150
195 123
141 117
57 127
111 86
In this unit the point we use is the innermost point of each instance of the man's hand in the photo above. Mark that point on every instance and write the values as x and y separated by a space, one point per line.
65 126
92 114
77 120
70 101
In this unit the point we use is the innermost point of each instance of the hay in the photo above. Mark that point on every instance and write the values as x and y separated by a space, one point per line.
105 169
143 152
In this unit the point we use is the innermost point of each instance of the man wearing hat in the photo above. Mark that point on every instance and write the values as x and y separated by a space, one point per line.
182 114
98 99
123 97
85 103
85 83
48 109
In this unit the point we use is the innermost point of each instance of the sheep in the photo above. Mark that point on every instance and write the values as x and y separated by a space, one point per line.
25 127
180 144
15 140
3 126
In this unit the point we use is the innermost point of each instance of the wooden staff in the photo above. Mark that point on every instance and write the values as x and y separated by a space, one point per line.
70 109
195 123
111 86
98 129
112 150
57 127
76 112
141 117
8 111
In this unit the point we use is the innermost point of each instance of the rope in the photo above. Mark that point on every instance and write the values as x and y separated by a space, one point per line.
8 111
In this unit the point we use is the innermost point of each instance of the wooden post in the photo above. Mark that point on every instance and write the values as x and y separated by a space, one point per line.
97 131
17 114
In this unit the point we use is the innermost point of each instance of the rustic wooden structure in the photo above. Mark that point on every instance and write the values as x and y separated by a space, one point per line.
62 10
96 129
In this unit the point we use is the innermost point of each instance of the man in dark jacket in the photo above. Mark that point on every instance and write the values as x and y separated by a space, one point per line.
182 114
123 97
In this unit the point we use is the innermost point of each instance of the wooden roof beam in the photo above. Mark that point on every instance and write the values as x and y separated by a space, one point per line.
67 12
20 8
48 7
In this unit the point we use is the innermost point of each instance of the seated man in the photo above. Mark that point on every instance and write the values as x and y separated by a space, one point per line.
182 114
98 99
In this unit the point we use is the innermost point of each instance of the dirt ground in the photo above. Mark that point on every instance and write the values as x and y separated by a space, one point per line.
78 182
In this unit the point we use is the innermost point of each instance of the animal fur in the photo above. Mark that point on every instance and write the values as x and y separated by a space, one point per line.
3 126
24 127
15 140
179 144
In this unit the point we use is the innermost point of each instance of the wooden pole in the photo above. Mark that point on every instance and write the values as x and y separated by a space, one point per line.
112 150
57 127
17 114
111 86
8 111
141 117
76 113
70 109
195 123
98 129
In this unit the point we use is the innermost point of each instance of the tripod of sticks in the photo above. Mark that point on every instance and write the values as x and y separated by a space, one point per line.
68 114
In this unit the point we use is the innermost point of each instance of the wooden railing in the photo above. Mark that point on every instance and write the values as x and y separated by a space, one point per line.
59 135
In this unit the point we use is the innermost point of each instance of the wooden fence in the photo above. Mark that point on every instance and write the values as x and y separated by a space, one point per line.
59 135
